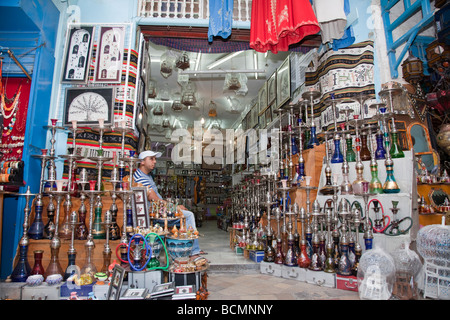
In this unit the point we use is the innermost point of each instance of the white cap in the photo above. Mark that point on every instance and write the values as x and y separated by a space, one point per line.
149 153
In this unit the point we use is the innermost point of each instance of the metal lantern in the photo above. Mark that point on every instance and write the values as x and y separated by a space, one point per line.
152 88
412 69
182 61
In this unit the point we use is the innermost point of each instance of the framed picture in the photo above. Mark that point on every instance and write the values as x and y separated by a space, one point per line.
77 54
262 120
108 68
268 116
255 112
272 88
262 98
116 283
140 207
134 294
88 105
283 83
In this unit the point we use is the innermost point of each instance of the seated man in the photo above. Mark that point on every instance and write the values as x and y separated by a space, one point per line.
142 176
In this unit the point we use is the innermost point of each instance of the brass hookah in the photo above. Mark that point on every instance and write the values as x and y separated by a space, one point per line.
72 252
394 149
289 257
329 265
346 186
312 95
357 184
269 251
358 250
22 269
327 189
350 155
54 266
375 183
106 248
303 259
344 266
316 264
37 230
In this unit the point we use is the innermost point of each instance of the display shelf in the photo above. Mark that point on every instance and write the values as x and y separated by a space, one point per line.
405 176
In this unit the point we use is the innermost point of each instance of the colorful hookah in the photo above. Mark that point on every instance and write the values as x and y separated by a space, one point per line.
346 186
380 152
375 185
301 160
394 228
395 150
379 224
350 153
269 251
337 155
303 259
312 95
23 269
357 184
327 189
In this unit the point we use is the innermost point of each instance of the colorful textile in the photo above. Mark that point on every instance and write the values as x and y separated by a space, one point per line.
346 73
220 18
276 24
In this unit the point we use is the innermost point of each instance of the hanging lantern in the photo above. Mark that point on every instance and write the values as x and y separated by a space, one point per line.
158 110
232 82
182 61
151 88
167 64
166 123
177 105
188 94
212 109
412 69
438 55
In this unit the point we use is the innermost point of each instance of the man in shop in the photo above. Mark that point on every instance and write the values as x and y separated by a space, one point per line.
142 176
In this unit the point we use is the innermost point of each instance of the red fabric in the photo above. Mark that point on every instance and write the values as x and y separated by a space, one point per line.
276 24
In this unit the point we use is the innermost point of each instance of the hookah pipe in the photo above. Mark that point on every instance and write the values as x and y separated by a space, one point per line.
393 229
337 155
346 186
157 267
312 95
135 265
379 225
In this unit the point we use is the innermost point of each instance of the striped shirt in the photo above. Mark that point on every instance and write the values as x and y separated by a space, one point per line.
146 180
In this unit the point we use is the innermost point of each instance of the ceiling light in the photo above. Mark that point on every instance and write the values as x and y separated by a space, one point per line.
224 59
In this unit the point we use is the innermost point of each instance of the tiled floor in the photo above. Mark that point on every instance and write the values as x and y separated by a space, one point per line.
233 277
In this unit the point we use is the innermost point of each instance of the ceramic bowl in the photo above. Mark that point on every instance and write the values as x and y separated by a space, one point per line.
35 280
54 279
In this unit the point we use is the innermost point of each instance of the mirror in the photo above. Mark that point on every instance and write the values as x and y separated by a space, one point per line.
438 197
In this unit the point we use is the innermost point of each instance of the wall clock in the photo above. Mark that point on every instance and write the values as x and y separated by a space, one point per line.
77 54
88 105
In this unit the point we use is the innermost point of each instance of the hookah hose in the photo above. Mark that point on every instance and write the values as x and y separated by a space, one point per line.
395 225
384 217
165 250
147 249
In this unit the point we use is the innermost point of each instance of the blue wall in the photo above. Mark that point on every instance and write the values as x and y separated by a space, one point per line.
29 16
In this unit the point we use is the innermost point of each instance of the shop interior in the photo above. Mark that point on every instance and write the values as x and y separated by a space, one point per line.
312 164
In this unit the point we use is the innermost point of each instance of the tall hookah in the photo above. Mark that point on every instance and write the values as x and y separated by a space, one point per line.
54 266
22 269
350 155
375 183
394 149
344 266
66 228
346 186
327 189
357 184
99 231
301 160
316 264
312 95
329 262
337 155
72 252
390 185
37 229
303 259
380 152
269 251
358 249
